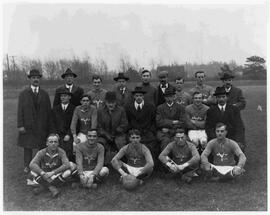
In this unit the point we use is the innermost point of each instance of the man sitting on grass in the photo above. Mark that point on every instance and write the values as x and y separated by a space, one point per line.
139 159
184 160
223 151
90 161
50 167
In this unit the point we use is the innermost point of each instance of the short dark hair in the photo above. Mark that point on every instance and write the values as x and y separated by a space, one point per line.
145 71
200 71
220 124
92 129
53 135
179 78
96 77
134 132
179 131
195 93
86 95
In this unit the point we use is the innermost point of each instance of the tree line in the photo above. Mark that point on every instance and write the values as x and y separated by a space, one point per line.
15 69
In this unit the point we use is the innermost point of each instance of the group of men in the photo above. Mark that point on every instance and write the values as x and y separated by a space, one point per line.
133 130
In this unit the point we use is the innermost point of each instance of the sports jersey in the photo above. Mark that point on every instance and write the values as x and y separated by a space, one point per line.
181 154
87 119
223 153
197 113
97 96
89 157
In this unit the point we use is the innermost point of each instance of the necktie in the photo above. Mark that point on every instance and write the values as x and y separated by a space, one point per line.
35 91
139 108
69 88
64 107
222 110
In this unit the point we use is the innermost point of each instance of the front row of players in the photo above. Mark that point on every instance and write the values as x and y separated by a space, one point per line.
180 158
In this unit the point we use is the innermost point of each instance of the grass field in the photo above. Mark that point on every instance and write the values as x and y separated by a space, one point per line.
248 193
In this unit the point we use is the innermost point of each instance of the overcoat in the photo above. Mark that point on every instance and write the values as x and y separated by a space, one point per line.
231 117
160 95
77 93
123 99
35 120
235 97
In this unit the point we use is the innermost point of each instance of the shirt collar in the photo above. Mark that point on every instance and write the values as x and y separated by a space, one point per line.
170 104
33 88
68 86
166 85
224 106
228 89
136 104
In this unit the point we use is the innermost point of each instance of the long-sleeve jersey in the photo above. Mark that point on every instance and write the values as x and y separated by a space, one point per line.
86 118
89 157
181 154
223 153
44 161
198 114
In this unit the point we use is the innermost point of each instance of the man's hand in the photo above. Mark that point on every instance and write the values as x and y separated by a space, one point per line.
175 122
165 130
83 179
182 166
90 180
22 130
47 176
66 138
238 170
77 140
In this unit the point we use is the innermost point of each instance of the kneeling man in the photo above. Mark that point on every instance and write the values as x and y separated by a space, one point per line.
50 167
139 159
184 160
224 152
90 161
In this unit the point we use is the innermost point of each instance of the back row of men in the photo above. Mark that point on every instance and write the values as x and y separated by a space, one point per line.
155 112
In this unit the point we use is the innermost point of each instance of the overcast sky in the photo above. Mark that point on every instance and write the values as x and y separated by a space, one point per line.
145 33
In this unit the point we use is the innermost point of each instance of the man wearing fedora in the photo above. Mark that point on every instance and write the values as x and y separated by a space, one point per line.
234 94
163 85
141 116
206 90
123 95
227 114
76 91
33 119
151 92
61 120
170 116
97 93
112 124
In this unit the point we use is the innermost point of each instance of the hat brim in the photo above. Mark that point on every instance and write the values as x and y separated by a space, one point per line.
64 75
29 76
117 78
227 77
138 91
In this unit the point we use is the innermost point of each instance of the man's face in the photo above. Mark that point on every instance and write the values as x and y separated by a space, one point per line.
179 84
122 83
91 137
110 105
180 139
138 97
65 98
221 99
163 79
52 143
134 139
221 132
227 82
200 78
85 101
69 79
169 99
197 99
34 80
146 77
97 84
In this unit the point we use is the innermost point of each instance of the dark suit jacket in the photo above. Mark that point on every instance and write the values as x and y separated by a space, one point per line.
35 120
235 97
123 99
160 95
231 117
77 93
61 120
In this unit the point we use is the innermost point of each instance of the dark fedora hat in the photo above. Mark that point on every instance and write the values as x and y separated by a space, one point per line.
68 72
65 91
138 89
110 96
169 91
226 75
121 75
34 72
220 91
